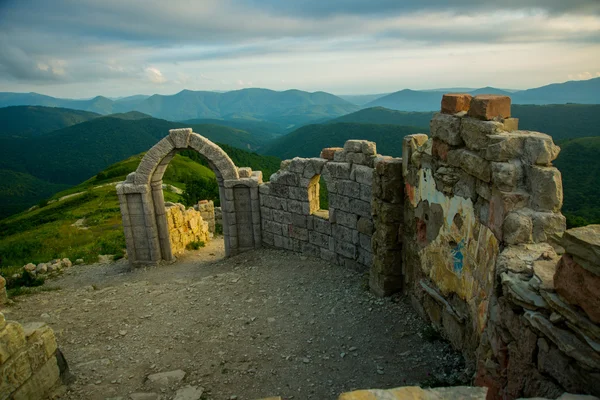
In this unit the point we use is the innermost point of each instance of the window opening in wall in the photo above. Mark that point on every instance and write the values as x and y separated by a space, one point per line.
318 197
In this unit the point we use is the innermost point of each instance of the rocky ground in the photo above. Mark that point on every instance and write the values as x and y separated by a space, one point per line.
259 324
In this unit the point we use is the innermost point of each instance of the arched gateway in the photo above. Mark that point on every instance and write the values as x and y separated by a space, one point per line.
143 206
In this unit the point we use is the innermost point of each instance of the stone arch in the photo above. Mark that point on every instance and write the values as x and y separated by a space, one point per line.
143 208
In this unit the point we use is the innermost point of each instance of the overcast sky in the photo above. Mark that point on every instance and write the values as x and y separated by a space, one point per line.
82 48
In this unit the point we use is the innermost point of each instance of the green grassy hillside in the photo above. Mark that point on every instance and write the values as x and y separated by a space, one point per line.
31 121
309 140
579 163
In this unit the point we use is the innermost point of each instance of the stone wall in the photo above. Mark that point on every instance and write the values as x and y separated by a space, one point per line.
543 334
207 211
291 215
482 252
185 226
29 368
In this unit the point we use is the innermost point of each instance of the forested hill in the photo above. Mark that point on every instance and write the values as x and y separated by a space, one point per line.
309 140
31 121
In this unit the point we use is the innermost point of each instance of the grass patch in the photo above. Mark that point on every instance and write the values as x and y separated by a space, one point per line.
194 245
24 291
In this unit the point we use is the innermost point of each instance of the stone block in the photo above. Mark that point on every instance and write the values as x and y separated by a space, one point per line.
506 176
245 172
578 286
310 249
362 174
453 103
547 225
279 190
368 148
517 228
345 249
348 188
365 257
511 124
14 373
365 226
445 128
471 163
539 148
329 152
41 382
342 233
282 217
360 207
500 205
475 133
354 146
267 238
488 106
298 207
298 233
357 158
12 338
41 338
504 147
282 242
364 241
319 239
340 156
440 149
273 227
346 219
339 202
584 243
285 178
322 226
546 188
266 213
299 220
338 170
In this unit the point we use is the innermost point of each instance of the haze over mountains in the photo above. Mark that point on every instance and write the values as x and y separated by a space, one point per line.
292 108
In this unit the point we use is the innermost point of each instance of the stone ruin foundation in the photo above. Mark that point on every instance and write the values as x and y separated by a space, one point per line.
466 223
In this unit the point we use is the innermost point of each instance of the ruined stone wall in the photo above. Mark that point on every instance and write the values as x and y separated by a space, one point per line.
28 361
482 252
291 215
185 226
207 211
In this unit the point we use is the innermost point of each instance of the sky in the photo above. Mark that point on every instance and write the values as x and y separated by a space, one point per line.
84 48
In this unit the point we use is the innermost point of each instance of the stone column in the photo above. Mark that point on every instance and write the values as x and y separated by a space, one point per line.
161 221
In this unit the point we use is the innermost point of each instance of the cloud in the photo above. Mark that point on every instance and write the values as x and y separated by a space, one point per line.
155 76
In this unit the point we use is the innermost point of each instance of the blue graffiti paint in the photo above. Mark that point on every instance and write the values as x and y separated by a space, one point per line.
458 257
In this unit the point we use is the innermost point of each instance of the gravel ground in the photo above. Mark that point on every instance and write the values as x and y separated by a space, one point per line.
259 324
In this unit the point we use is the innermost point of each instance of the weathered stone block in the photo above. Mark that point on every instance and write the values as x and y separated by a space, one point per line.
547 225
488 107
357 158
282 217
267 238
546 188
387 212
384 285
298 233
471 163
329 152
368 148
245 172
506 175
328 255
360 207
453 103
298 193
517 228
578 286
539 148
444 127
311 249
340 156
285 178
348 188
340 202
299 220
366 192
14 373
342 233
273 227
475 133
583 242
338 170
346 219
354 146
345 249
362 174
12 338
440 149
319 239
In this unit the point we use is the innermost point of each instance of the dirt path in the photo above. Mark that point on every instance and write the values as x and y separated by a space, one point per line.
259 324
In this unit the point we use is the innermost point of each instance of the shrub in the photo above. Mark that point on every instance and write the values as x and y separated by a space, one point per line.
195 245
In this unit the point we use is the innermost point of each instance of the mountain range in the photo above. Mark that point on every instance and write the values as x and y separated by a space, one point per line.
293 108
